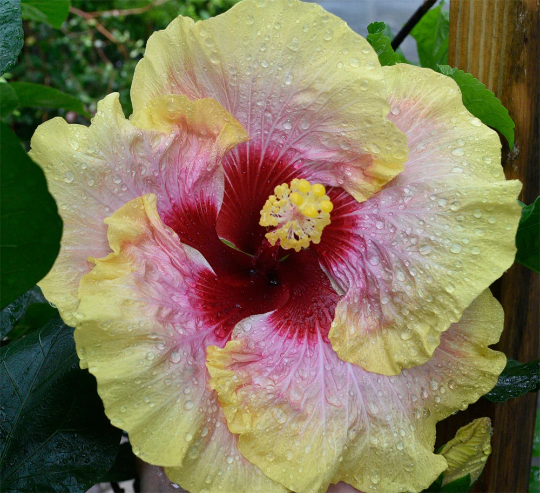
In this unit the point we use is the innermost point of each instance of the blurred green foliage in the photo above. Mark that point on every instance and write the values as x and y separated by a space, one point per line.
94 52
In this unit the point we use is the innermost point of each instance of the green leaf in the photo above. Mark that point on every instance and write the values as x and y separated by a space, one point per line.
481 102
29 221
12 39
431 35
124 467
54 434
534 485
53 12
380 42
11 314
515 380
36 316
528 237
16 312
39 96
8 100
458 486
536 440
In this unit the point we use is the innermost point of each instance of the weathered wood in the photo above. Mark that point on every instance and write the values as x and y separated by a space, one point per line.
498 42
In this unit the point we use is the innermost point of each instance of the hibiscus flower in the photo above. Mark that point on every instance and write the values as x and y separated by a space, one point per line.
277 267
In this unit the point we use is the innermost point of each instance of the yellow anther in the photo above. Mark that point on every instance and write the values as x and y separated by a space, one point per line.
298 212
319 190
304 186
296 198
309 211
326 206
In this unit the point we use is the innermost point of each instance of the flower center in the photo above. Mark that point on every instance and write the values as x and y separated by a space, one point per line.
298 213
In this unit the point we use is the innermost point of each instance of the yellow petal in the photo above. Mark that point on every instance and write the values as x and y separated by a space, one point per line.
93 171
299 80
206 116
308 419
139 330
422 249
467 453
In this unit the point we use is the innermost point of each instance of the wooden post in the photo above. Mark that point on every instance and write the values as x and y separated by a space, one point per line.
498 42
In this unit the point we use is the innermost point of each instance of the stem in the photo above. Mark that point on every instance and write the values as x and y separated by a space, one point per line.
409 25
123 13
101 28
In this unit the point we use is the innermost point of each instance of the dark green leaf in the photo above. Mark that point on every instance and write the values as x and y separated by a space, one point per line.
29 221
515 380
431 35
124 467
380 42
534 485
54 433
481 102
12 33
14 314
458 486
39 96
536 440
36 316
528 237
11 314
8 100
53 12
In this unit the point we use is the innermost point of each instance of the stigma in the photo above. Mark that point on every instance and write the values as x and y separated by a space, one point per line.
298 214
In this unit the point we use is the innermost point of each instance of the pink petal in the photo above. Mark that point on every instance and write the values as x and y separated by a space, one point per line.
305 87
308 419
144 322
415 255
94 171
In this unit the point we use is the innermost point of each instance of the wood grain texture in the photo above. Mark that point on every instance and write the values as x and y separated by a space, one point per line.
498 42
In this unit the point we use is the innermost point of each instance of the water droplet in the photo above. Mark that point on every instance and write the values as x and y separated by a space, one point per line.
406 335
68 177
375 479
426 249
176 356
455 248
293 45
